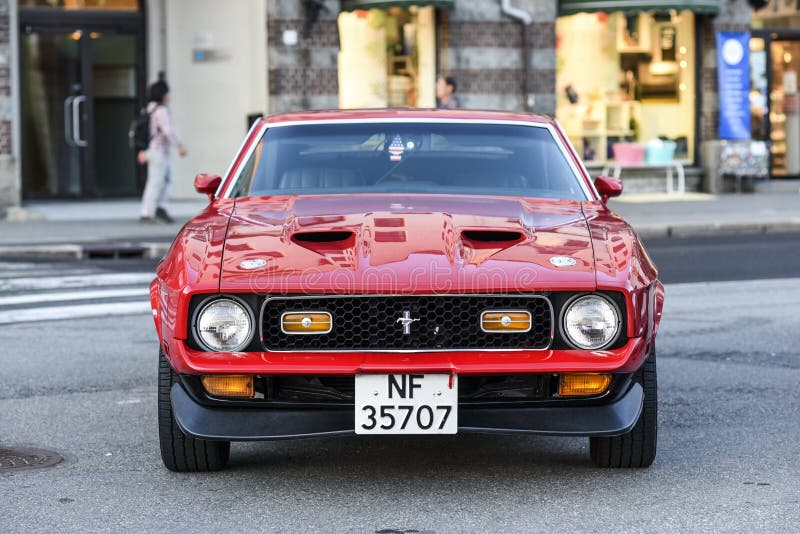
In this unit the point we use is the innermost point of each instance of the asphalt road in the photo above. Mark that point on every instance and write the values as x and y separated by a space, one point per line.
728 444
726 257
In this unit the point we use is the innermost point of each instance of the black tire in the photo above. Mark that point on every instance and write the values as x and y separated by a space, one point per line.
637 447
180 452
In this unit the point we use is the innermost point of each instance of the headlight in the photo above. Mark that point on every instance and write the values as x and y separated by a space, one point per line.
224 325
591 322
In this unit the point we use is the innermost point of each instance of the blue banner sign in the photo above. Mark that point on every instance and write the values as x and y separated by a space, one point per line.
733 75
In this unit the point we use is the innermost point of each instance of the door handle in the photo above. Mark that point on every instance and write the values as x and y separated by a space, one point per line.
76 121
68 121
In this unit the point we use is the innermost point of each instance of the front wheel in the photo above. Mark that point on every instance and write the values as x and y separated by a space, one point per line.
637 447
180 452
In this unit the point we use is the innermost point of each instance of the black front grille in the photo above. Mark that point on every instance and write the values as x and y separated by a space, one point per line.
446 322
341 388
509 388
310 388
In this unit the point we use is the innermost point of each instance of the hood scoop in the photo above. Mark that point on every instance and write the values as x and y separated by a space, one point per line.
323 237
328 243
480 245
491 238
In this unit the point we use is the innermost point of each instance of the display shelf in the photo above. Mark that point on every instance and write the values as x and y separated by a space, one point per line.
606 118
777 134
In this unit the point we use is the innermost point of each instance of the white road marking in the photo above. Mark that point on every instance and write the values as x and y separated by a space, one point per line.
72 295
74 312
20 269
58 295
18 265
8 275
70 282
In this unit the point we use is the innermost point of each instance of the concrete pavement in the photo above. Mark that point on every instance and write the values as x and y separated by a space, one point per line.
81 229
726 462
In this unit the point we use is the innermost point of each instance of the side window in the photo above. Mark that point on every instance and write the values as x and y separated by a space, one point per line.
245 180
558 173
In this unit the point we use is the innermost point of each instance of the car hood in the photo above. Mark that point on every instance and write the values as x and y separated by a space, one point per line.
406 244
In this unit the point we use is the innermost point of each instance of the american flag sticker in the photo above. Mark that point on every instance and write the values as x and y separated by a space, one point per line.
396 149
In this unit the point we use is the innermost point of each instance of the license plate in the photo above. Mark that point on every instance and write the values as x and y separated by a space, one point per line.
406 404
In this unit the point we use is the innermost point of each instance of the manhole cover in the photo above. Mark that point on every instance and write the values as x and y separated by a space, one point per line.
17 458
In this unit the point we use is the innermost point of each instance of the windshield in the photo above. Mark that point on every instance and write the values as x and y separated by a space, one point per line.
405 157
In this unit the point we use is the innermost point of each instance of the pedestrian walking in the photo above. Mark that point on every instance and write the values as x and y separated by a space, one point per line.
446 93
157 156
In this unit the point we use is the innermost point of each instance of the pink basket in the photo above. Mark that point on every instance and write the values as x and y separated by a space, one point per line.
629 153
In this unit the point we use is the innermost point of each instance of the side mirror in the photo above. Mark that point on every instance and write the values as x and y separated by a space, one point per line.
207 184
608 187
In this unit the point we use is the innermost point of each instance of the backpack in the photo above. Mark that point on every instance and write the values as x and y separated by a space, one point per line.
139 132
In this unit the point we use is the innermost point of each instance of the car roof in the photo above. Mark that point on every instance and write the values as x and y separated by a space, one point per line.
434 114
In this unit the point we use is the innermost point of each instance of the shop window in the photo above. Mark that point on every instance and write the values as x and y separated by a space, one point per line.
783 108
625 78
387 58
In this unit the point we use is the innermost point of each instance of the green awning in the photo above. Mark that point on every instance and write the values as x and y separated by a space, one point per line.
350 5
569 7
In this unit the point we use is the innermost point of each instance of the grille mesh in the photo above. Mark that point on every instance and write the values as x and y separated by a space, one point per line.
471 388
446 322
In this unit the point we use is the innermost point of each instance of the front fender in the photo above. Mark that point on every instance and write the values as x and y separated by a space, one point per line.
192 265
622 264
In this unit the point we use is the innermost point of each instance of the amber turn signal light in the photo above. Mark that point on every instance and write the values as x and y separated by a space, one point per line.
505 321
583 384
306 323
229 385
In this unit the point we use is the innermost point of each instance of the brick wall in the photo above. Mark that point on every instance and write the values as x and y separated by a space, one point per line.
9 171
709 106
305 75
5 81
484 50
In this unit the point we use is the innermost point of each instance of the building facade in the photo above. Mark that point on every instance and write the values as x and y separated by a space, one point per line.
474 41
612 72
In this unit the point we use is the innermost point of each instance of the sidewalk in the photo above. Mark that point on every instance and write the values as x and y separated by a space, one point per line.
92 228
662 215
112 229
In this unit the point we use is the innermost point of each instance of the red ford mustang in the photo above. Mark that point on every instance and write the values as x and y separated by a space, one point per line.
406 272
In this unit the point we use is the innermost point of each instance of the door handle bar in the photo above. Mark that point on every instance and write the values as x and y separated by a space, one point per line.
76 121
68 128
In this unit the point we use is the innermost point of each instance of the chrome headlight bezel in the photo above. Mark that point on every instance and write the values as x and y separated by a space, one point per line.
575 299
214 300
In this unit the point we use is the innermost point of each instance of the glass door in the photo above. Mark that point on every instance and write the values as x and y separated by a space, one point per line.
80 91
113 105
53 112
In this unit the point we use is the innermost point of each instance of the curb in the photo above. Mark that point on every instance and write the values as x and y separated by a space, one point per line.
710 229
112 250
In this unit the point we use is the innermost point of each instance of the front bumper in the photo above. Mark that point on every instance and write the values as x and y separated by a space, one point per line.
253 424
625 359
